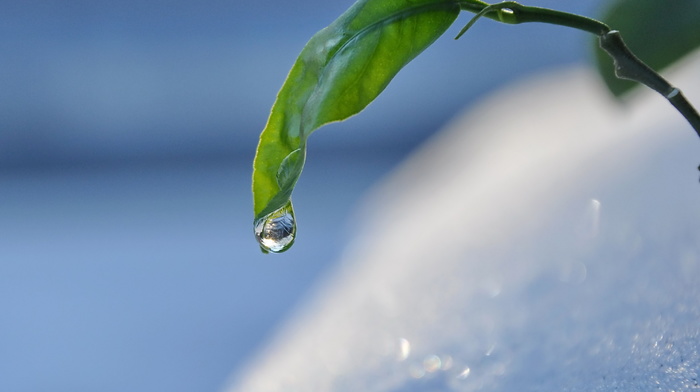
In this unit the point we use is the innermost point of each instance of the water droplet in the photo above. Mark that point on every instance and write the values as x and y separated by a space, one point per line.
672 94
275 231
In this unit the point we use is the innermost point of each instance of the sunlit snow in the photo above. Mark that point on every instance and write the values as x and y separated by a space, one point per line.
549 239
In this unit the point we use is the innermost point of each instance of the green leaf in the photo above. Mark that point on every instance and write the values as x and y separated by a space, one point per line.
659 32
338 73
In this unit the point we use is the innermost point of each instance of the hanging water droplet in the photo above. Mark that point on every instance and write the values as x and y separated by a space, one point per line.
275 231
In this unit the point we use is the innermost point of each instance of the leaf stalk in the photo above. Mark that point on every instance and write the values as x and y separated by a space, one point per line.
627 65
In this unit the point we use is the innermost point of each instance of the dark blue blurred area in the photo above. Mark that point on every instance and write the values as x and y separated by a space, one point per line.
127 132
141 80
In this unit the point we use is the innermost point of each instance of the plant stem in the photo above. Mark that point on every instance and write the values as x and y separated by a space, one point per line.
627 65
512 12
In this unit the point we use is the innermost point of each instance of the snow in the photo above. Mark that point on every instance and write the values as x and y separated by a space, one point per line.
548 239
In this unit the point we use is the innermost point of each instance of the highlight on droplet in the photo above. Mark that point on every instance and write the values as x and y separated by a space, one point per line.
275 231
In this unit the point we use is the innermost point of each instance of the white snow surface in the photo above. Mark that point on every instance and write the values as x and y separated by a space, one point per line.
547 240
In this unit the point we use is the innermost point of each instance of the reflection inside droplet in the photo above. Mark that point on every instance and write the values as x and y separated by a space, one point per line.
275 231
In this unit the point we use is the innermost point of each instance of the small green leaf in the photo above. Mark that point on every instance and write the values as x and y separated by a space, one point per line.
338 73
659 32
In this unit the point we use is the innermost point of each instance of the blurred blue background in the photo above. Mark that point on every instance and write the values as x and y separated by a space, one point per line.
127 133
